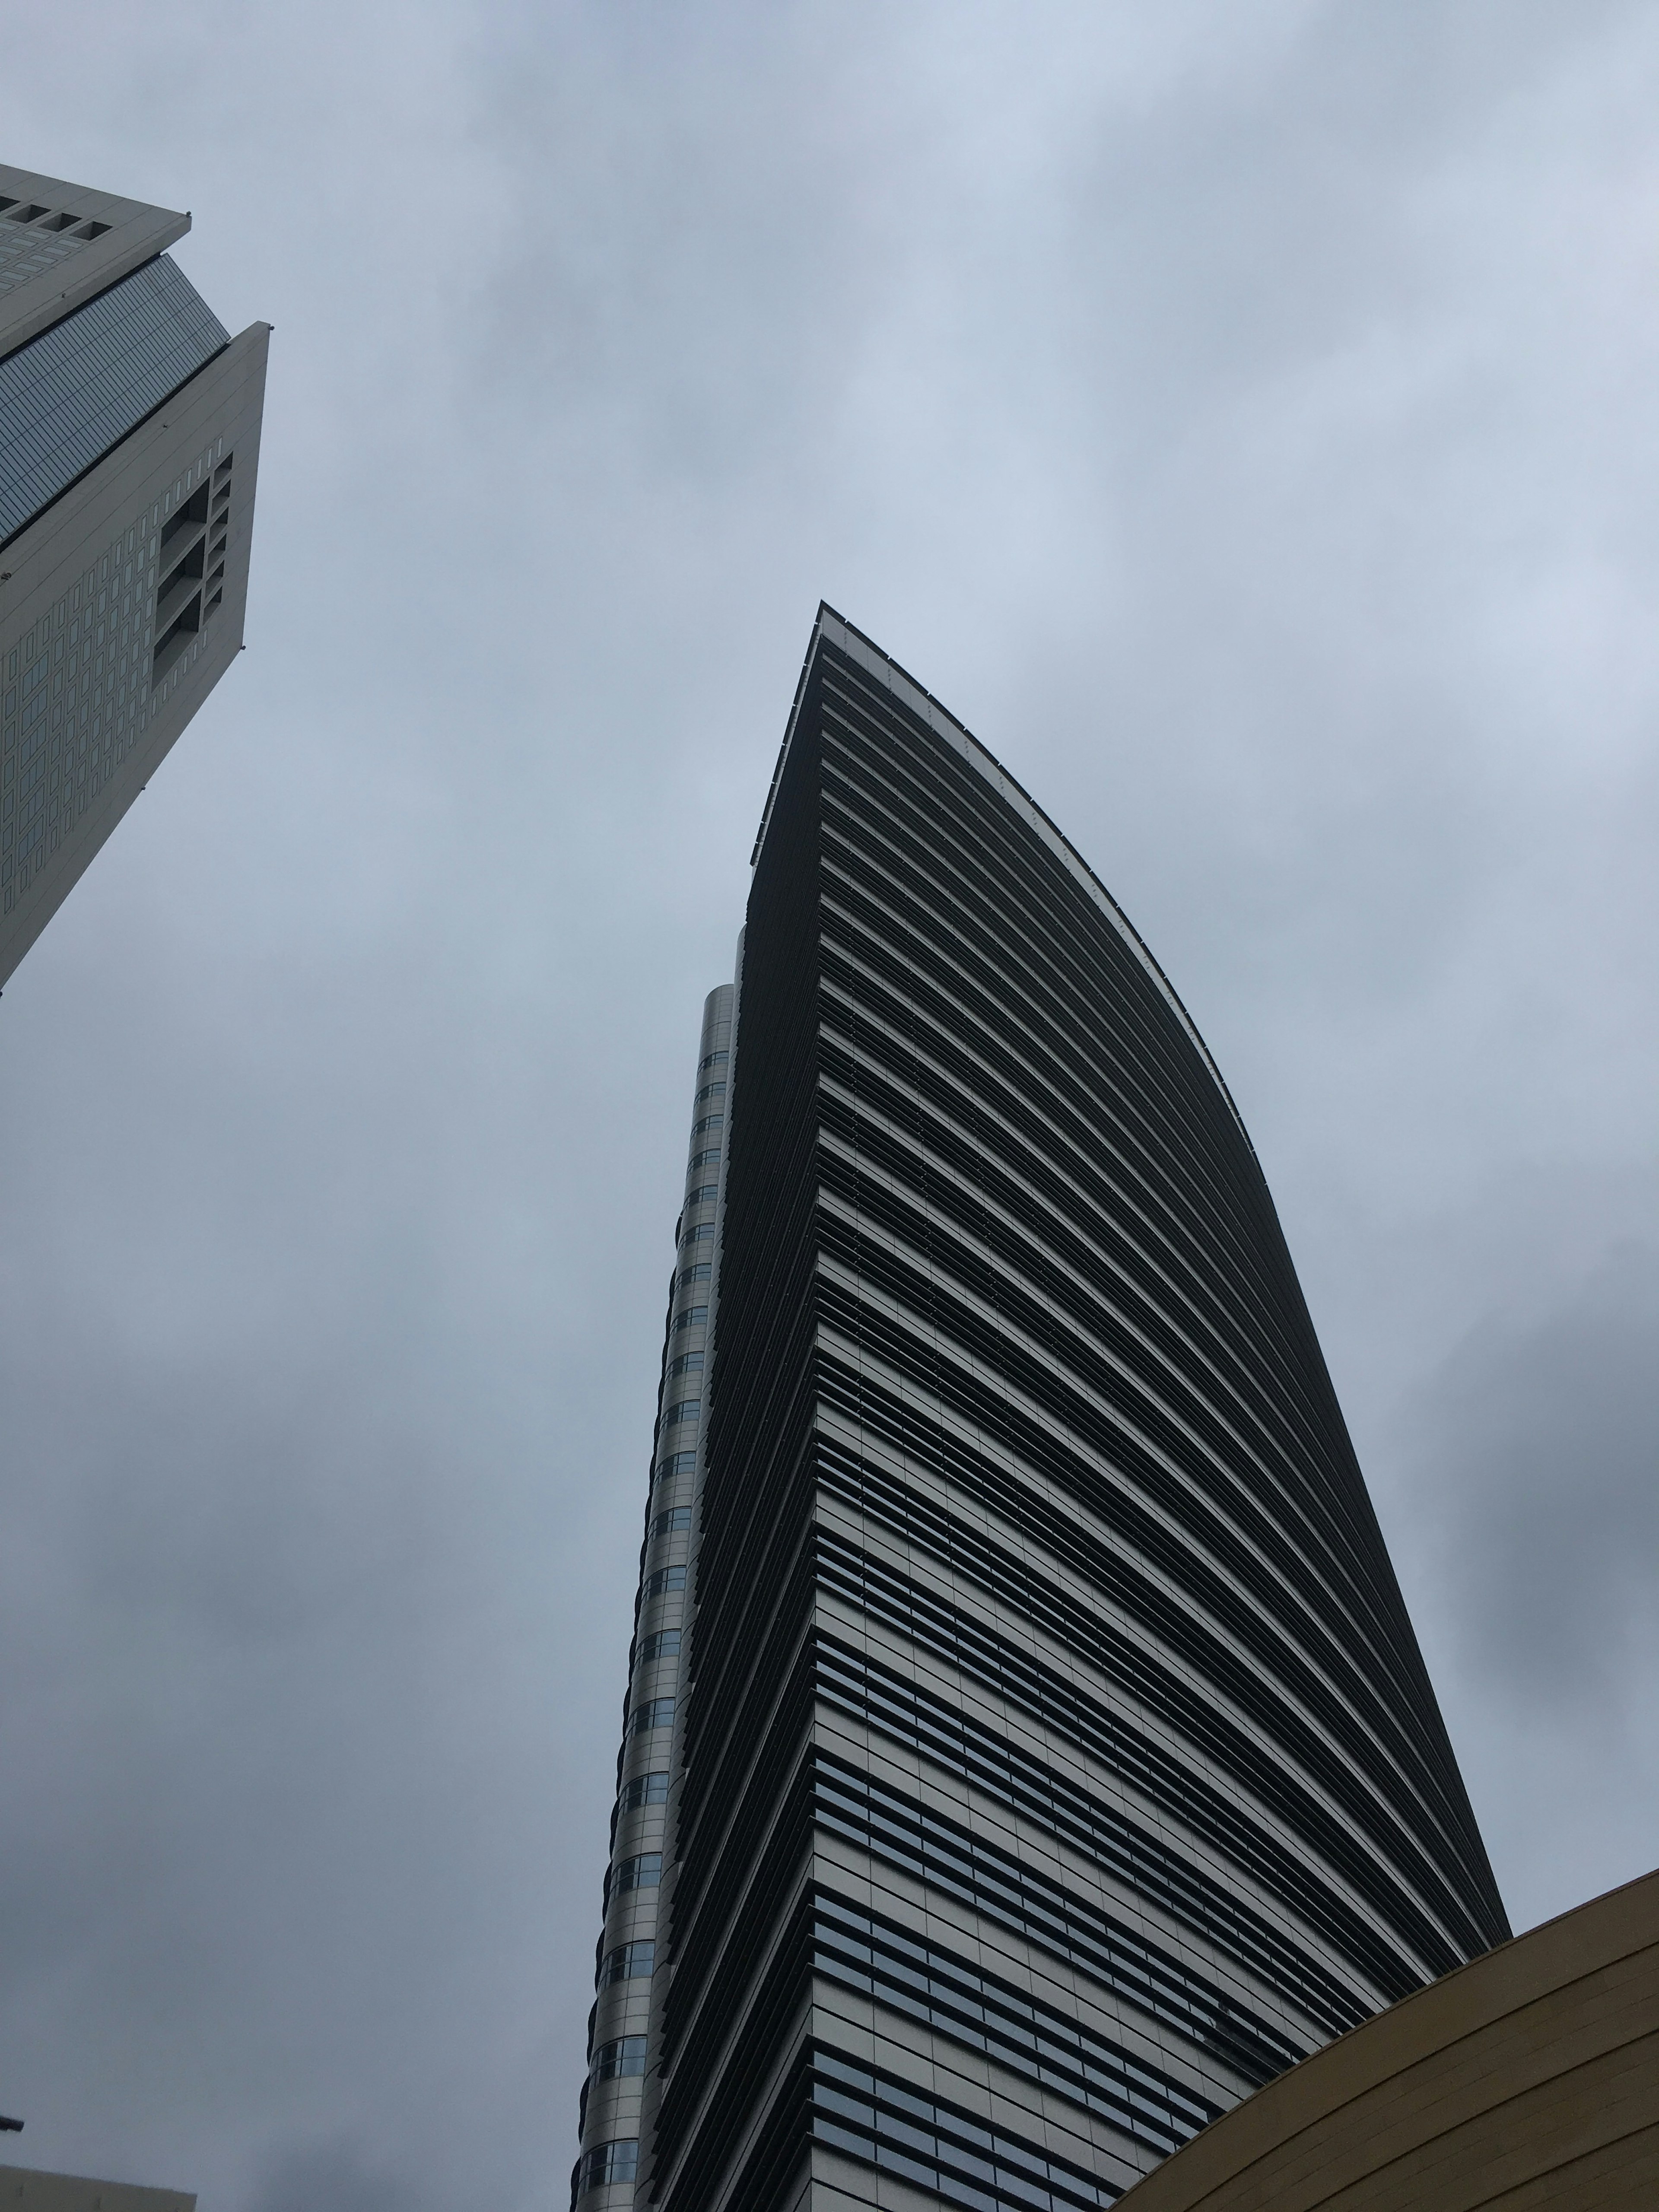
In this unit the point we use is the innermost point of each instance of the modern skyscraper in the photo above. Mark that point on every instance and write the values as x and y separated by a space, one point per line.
1027 1754
129 447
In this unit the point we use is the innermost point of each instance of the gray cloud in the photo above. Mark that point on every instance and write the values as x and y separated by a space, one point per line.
1246 420
328 2178
1540 1440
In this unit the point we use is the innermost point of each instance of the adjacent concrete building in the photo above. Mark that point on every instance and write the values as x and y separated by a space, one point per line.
129 425
22 2189
1027 1755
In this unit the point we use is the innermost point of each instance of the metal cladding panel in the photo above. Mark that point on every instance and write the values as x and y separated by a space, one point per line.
73 393
100 669
62 243
624 1958
1054 1763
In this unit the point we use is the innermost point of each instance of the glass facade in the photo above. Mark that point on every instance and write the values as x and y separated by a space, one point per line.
1052 1763
71 394
626 1953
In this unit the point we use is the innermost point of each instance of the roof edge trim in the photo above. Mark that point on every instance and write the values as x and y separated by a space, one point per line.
134 231
838 631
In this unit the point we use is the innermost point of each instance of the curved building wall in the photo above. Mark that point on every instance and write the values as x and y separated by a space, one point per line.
626 1953
1054 1764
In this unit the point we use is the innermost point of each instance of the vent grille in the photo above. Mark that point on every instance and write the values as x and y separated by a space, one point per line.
42 238
192 573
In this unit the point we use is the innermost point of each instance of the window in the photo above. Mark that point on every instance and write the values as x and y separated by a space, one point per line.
655 1713
665 1578
693 1317
700 1232
672 1464
683 1409
642 1871
625 2054
645 1788
677 1516
665 1645
708 1121
688 1362
712 1060
604 2164
629 1962
704 1196
955 1996
701 1273
943 2149
710 1158
709 1090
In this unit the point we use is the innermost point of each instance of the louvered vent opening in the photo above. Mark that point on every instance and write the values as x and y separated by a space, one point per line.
191 576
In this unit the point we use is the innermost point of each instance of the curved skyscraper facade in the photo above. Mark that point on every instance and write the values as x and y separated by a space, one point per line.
1050 1761
630 1940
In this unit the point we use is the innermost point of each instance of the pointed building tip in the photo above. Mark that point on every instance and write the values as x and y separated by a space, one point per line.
932 711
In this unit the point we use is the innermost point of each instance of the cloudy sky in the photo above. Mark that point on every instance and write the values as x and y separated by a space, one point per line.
1245 419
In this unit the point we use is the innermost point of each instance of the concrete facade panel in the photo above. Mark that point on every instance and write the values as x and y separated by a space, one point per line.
28 2190
120 606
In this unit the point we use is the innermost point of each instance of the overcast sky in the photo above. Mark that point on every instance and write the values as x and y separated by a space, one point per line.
1245 419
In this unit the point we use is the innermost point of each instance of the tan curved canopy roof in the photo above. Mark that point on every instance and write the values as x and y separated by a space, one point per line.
1529 2079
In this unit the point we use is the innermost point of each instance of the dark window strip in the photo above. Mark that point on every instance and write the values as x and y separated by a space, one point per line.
884 1701
889 2124
947 1857
863 1951
964 1552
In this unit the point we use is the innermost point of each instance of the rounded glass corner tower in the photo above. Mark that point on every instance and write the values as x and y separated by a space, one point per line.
1027 1753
